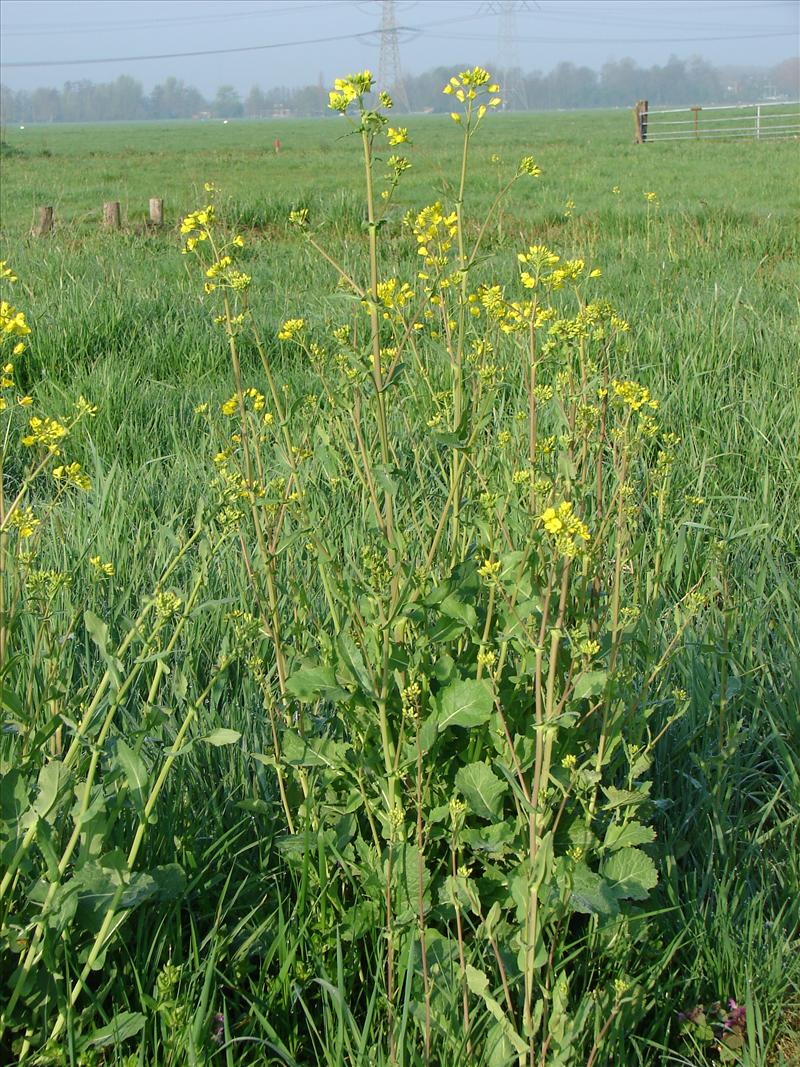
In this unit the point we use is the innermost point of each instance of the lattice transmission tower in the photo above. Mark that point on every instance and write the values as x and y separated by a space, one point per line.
508 58
390 71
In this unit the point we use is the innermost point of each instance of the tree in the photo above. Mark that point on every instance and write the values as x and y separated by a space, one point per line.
227 103
786 78
256 105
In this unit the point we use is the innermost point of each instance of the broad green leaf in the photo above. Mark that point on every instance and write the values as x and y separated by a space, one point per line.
315 683
495 839
13 796
627 836
459 610
135 773
427 732
353 661
482 789
222 736
124 1025
50 778
10 701
464 704
624 798
44 839
98 631
313 752
591 894
590 684
406 881
631 874
479 985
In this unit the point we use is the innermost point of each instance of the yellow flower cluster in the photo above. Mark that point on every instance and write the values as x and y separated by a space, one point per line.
13 324
489 570
71 474
84 408
291 329
393 295
349 90
23 521
467 86
570 533
46 432
223 274
167 605
397 135
512 316
527 165
541 267
195 227
435 232
397 165
231 405
633 395
103 570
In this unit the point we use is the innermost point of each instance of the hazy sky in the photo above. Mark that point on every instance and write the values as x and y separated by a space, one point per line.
330 37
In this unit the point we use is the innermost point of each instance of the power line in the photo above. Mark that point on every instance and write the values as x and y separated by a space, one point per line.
615 40
187 55
57 29
361 35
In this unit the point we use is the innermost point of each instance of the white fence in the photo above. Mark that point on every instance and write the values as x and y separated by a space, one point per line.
773 118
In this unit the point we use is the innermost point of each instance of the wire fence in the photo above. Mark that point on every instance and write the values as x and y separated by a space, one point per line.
770 119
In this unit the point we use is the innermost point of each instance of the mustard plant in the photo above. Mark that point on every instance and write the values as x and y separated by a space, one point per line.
463 673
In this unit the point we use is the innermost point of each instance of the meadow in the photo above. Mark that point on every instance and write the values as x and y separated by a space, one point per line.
418 678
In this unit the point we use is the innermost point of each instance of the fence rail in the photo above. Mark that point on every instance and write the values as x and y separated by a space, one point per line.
769 119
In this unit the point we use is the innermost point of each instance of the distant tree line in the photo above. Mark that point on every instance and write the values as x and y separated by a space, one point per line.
616 84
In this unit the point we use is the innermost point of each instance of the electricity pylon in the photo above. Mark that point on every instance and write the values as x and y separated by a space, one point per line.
508 60
390 72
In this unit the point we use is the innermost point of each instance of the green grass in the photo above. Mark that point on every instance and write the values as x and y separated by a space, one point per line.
709 284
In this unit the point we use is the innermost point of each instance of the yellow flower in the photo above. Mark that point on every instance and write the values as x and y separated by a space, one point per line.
527 165
397 135
291 329
12 321
72 474
83 407
24 521
569 532
489 569
104 570
46 432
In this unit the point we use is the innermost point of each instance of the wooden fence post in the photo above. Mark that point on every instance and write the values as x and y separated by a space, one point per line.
45 223
696 109
640 122
111 219
156 211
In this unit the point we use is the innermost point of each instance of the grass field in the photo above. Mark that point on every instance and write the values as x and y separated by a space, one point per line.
175 900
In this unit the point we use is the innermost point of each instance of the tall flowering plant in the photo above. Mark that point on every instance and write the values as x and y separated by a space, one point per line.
456 616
